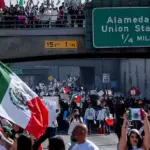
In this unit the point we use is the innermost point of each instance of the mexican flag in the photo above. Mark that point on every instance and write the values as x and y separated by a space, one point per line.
136 114
19 104
2 4
66 90
78 99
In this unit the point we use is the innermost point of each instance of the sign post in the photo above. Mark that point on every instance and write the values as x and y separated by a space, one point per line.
106 79
121 27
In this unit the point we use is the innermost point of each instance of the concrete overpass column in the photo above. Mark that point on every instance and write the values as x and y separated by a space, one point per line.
87 77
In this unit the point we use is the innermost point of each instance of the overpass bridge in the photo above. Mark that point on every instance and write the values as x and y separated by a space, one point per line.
54 43
17 44
101 37
20 43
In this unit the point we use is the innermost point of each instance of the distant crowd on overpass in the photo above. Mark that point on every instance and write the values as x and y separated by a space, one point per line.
35 16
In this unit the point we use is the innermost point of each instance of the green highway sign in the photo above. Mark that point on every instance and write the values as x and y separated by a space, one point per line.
121 27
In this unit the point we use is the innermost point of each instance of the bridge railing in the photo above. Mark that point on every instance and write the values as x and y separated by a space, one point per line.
41 21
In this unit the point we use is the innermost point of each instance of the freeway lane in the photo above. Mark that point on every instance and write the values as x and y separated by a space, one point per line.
104 142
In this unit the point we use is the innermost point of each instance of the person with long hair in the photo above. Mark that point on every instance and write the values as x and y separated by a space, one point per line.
74 119
133 140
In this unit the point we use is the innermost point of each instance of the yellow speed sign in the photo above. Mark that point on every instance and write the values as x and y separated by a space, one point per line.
60 44
50 78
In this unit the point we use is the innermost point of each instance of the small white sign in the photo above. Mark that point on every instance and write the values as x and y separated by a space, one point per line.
93 92
64 96
52 101
100 93
108 92
106 77
50 104
133 92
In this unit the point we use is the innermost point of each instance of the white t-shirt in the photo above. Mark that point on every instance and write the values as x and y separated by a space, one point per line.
135 148
101 114
87 145
90 114
52 120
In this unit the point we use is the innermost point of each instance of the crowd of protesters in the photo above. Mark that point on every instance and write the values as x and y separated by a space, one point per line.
78 115
35 16
101 114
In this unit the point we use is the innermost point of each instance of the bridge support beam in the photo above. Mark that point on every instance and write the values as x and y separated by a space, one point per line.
87 77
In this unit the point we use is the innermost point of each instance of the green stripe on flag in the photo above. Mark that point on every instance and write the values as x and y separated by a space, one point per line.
4 80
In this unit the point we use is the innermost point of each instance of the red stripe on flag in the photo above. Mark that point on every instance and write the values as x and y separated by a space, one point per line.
40 148
78 99
66 90
2 4
39 117
142 114
110 122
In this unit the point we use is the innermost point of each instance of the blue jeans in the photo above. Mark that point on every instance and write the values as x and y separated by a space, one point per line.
107 127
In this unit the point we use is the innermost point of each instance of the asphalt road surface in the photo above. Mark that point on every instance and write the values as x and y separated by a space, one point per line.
104 142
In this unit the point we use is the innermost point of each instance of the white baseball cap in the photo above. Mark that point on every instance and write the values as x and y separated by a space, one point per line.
134 131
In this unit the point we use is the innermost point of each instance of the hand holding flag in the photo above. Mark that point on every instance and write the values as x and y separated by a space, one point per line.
136 114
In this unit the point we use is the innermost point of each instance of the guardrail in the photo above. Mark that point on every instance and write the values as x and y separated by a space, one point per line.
41 21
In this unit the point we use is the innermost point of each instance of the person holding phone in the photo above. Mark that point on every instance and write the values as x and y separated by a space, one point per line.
74 119
133 140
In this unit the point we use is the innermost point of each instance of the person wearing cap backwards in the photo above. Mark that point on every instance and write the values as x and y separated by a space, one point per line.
133 140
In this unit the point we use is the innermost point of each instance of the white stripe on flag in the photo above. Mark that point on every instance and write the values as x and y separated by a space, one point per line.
4 114
21 117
